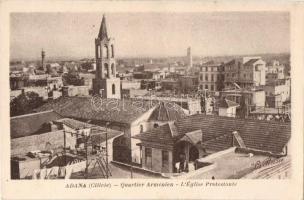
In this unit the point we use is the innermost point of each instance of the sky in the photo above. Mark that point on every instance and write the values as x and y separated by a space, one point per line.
151 34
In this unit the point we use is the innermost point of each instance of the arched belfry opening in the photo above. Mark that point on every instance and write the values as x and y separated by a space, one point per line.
112 50
106 70
113 69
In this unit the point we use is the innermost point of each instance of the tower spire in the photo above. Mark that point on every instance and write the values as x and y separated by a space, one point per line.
103 33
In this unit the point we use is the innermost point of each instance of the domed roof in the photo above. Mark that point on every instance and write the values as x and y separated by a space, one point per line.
167 111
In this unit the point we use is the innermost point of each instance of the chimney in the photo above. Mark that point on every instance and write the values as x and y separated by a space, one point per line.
232 138
53 127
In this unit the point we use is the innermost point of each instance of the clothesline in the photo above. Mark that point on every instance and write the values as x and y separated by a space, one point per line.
56 171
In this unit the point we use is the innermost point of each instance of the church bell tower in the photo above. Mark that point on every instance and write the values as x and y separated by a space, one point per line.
105 83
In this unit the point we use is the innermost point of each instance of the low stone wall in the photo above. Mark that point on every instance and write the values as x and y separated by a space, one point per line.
217 154
195 172
50 140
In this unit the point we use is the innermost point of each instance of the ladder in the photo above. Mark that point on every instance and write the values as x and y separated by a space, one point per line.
106 172
101 168
104 164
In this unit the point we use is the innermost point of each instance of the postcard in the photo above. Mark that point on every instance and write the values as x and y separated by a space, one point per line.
152 100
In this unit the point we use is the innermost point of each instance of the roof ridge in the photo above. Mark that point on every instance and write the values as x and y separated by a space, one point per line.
30 114
167 112
217 136
58 113
233 119
172 128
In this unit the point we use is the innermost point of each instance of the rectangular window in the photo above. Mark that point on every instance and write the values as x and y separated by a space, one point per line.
165 158
148 152
212 69
212 77
206 69
148 157
206 77
212 87
206 87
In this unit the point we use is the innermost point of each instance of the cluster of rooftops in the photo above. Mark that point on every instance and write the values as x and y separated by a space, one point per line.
213 133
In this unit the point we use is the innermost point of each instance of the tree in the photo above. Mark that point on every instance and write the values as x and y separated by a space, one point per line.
25 103
72 78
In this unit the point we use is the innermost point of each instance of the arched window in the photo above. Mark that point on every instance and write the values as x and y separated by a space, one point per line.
107 50
112 69
113 88
106 68
155 125
112 50
141 128
98 51
104 51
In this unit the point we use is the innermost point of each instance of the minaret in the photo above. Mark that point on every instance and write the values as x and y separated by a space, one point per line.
189 59
42 60
105 83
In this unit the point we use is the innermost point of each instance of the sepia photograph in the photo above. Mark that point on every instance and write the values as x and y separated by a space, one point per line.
150 95
151 100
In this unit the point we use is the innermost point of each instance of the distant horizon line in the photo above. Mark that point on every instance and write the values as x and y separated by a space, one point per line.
144 56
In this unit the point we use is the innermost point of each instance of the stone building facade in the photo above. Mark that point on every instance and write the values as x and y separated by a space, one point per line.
247 73
211 77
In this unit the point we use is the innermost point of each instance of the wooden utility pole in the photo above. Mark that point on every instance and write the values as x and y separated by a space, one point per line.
107 162
64 146
86 148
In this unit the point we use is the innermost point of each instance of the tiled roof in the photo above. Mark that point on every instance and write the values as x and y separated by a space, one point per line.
251 62
217 132
231 62
194 137
90 108
160 135
74 124
98 135
262 135
167 111
225 103
31 124
218 143
212 64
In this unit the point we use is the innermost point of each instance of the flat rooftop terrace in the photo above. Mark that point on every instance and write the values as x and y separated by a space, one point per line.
231 166
227 164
